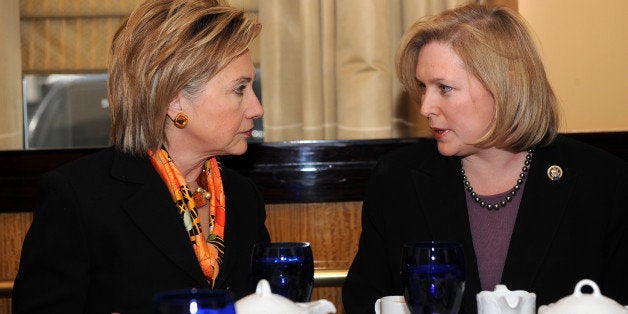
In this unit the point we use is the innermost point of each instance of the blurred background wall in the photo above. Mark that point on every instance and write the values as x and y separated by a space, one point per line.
584 44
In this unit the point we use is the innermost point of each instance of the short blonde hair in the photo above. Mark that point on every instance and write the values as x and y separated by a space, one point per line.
496 47
163 48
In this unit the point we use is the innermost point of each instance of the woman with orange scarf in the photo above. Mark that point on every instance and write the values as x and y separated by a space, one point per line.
156 211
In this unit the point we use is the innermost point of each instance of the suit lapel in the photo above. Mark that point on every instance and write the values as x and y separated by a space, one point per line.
445 209
443 204
154 213
230 257
540 214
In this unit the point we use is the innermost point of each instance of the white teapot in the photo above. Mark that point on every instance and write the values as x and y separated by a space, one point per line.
504 301
581 303
263 301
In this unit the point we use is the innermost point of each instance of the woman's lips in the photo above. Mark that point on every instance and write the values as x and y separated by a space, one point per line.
248 133
439 133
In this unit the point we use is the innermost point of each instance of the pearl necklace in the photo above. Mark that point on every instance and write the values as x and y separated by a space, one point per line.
512 193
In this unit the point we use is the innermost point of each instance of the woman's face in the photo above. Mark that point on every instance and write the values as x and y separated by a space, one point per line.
459 108
221 114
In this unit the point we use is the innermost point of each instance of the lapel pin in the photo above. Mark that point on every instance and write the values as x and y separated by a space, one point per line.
554 172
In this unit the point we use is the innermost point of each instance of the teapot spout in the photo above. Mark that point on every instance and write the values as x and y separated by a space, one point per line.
504 301
512 301
318 307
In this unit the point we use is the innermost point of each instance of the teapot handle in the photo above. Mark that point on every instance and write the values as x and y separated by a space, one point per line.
378 305
587 282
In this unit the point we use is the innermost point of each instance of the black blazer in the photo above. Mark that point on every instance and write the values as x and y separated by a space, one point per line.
106 236
565 231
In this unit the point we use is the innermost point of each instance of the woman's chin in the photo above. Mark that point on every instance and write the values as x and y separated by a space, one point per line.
238 149
446 149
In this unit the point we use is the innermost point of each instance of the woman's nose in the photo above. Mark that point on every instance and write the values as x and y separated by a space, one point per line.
255 108
428 104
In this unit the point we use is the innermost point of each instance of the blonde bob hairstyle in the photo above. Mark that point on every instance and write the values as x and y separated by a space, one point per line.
163 48
496 47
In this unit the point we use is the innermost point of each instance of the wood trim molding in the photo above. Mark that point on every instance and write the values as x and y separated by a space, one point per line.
6 287
285 172
322 278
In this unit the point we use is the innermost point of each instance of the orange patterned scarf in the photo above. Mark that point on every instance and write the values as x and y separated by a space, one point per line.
209 250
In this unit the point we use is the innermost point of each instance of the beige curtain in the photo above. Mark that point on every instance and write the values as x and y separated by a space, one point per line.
10 78
327 68
69 36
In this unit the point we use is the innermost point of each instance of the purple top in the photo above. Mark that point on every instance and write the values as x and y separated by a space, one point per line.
491 231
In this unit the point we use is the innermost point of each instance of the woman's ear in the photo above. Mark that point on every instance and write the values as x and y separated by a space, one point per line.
174 108
176 114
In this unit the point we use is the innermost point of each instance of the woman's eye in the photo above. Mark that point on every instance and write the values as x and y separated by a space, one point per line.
445 88
240 89
422 88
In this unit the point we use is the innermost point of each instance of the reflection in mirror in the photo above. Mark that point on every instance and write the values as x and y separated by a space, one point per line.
72 111
65 111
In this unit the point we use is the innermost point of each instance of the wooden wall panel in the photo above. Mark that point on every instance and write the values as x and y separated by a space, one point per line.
14 227
333 230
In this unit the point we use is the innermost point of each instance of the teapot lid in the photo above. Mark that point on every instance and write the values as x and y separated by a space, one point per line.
580 302
264 301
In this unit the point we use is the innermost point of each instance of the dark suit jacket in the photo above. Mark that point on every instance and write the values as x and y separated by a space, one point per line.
106 236
565 231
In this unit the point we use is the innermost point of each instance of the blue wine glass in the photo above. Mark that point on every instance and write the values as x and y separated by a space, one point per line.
433 277
193 301
288 267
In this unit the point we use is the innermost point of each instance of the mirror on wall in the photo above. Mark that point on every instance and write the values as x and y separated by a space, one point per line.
65 111
72 111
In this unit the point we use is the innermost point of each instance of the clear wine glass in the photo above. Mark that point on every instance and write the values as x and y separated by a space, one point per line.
288 267
193 301
433 277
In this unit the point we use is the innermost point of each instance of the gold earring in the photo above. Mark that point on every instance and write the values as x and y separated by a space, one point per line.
181 120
